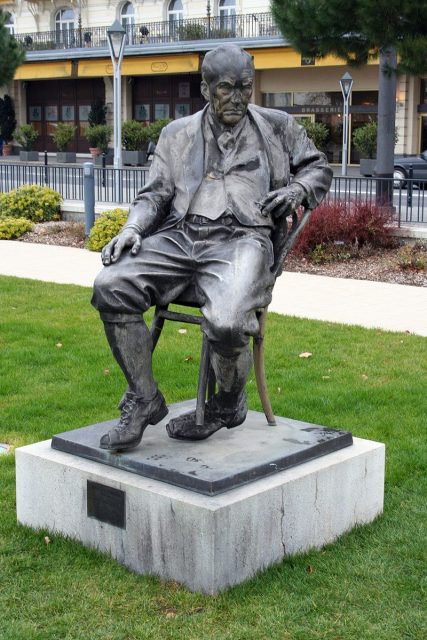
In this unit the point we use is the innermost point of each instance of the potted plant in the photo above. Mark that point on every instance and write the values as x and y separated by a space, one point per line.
98 137
316 131
62 137
155 129
26 136
7 124
135 142
365 142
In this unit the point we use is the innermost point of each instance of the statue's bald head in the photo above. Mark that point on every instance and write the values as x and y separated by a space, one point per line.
226 57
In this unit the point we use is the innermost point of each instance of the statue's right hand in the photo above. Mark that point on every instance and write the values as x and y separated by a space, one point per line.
113 250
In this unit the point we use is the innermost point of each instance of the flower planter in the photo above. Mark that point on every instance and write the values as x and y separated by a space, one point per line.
65 156
7 149
109 159
94 152
29 156
134 158
367 166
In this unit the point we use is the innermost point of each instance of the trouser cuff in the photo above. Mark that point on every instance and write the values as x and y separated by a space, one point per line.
120 318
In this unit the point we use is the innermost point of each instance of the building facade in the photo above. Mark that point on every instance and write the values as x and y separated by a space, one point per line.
68 67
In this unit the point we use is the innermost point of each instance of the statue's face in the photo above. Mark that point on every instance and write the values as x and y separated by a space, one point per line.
229 94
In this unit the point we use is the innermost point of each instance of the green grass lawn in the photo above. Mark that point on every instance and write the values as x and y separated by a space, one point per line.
56 373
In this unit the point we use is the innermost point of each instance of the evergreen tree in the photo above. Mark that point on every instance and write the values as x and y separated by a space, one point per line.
358 31
97 114
11 52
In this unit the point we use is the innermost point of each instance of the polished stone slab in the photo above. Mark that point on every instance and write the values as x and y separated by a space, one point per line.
228 459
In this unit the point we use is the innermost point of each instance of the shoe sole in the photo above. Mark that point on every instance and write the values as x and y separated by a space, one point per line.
154 419
237 423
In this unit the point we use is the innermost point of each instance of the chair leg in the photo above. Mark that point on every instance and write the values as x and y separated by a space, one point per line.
157 325
211 383
259 366
203 382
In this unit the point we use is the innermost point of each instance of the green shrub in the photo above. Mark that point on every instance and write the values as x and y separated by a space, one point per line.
365 139
63 135
99 136
108 225
316 131
412 257
26 136
13 227
134 135
192 31
155 129
31 201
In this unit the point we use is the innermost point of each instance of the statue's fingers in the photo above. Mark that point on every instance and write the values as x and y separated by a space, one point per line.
277 201
106 253
136 246
118 248
268 198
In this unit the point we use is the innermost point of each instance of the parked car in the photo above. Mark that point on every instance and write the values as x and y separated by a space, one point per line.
402 165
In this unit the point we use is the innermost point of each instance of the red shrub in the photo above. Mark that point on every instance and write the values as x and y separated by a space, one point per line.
345 222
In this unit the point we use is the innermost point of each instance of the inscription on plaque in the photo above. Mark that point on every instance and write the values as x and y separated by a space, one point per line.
106 504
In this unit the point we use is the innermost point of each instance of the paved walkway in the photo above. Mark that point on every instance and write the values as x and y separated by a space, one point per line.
389 307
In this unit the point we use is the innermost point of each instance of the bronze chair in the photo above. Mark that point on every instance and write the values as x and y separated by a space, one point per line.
283 240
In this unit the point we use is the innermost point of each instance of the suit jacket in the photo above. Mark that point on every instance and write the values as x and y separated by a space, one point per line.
178 164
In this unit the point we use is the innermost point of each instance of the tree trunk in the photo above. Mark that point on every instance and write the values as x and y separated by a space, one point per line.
387 84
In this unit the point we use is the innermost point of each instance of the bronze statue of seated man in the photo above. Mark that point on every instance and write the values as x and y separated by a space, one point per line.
220 182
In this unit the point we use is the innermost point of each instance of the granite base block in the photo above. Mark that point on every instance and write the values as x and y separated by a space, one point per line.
207 543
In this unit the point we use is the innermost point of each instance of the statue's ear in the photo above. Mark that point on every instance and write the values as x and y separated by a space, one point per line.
205 90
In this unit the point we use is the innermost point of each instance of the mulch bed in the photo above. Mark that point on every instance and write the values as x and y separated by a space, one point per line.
382 265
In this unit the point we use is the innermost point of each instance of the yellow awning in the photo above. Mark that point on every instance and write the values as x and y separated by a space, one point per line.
43 70
287 58
141 65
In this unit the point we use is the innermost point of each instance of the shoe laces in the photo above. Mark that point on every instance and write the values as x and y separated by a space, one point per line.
127 410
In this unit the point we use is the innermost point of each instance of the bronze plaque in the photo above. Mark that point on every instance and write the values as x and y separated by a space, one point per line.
106 504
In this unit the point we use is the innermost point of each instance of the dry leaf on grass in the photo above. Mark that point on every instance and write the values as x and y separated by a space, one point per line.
188 358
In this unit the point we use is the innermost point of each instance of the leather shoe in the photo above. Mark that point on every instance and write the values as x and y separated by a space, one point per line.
216 417
136 415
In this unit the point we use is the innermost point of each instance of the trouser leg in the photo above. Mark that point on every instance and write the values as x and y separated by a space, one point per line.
232 368
131 345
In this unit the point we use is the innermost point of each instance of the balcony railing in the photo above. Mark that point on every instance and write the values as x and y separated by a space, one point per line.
252 25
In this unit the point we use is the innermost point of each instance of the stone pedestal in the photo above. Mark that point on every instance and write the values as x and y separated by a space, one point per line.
205 542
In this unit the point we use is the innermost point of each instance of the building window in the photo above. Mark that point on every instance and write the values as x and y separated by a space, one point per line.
227 15
10 23
175 15
275 100
127 18
64 27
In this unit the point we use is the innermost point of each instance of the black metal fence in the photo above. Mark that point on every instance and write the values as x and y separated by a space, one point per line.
250 25
409 197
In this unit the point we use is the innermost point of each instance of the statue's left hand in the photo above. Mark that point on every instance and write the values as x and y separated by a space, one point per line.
284 201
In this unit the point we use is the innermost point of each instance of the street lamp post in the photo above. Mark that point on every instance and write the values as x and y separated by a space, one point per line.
346 83
116 35
208 13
